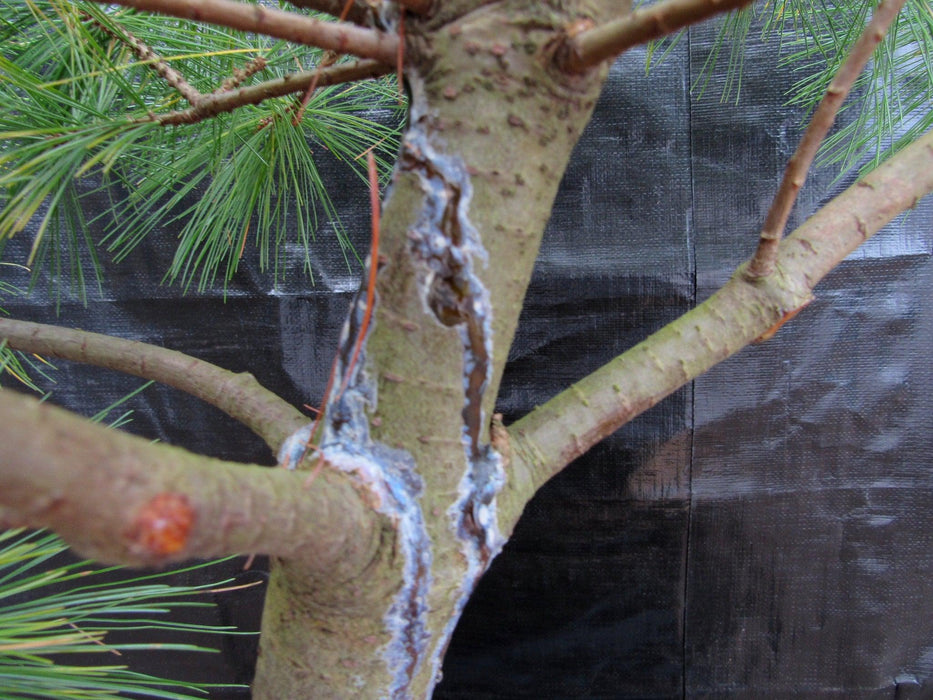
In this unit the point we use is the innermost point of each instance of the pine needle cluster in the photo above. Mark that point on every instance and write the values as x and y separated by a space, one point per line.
82 90
892 101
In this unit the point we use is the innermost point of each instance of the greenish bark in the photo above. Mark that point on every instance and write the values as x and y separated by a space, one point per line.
119 498
491 130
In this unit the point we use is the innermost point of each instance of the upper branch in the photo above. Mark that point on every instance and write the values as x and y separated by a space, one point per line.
122 499
356 11
550 437
336 36
593 46
363 11
795 174
238 395
418 7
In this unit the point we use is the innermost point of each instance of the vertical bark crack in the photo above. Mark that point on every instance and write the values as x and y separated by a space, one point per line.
447 244
389 475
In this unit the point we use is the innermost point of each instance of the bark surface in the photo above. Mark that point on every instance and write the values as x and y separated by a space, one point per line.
491 129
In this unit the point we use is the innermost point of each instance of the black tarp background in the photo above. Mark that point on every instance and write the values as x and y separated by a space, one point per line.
765 532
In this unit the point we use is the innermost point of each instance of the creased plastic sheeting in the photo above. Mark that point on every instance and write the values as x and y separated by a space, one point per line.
812 526
809 562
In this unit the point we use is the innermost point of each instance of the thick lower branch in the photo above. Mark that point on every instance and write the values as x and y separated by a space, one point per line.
122 499
550 437
238 395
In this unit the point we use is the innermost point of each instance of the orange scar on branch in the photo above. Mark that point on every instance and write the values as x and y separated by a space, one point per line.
163 524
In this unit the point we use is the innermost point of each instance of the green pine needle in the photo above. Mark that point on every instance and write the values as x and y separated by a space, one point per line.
24 368
72 96
892 102
42 620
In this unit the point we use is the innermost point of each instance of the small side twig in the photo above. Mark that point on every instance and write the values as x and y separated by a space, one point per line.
241 74
591 47
221 102
155 61
327 59
561 429
375 214
795 174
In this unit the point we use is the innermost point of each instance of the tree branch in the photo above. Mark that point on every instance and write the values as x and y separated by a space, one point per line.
220 102
550 437
253 66
122 499
795 174
238 395
336 36
418 7
359 12
593 46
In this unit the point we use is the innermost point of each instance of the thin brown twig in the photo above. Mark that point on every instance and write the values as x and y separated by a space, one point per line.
221 102
593 46
795 174
336 36
327 59
375 214
400 58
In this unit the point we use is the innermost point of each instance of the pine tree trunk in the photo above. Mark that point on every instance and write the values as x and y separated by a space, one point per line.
491 130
